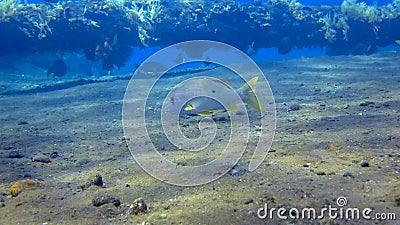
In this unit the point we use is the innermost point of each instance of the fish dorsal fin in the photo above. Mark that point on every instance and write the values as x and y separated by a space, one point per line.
253 82
249 95
233 107
226 81
206 113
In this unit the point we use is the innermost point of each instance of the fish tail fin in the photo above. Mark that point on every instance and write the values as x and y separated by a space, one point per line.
249 96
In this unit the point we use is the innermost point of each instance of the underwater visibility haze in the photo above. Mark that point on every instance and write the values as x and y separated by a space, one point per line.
200 112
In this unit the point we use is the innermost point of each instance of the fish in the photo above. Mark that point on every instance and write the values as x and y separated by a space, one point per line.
397 42
251 50
180 58
58 69
219 89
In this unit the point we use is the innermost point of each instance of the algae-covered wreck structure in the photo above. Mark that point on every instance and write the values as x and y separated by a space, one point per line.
105 30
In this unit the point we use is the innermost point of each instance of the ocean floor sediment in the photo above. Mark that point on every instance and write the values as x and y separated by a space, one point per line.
337 134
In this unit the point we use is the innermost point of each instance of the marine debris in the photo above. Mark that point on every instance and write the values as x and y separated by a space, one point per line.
21 185
105 30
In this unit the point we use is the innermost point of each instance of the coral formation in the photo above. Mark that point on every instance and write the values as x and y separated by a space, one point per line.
105 30
7 9
371 14
334 21
142 12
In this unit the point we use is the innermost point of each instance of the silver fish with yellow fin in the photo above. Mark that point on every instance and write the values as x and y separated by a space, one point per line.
205 96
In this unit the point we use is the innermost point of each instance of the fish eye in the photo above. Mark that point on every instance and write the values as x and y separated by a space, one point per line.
213 91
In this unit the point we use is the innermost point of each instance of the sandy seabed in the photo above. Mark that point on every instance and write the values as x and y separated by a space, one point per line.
338 134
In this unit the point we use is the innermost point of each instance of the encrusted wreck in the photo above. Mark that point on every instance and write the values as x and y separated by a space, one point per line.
106 29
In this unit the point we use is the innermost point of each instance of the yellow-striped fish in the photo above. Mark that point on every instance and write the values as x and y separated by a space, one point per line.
219 89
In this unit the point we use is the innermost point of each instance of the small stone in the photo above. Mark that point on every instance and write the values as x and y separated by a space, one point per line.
166 207
293 107
105 198
234 172
347 174
248 201
367 103
163 216
98 181
22 122
15 154
127 185
320 173
54 155
139 206
364 164
238 172
397 200
271 150
41 158
252 212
